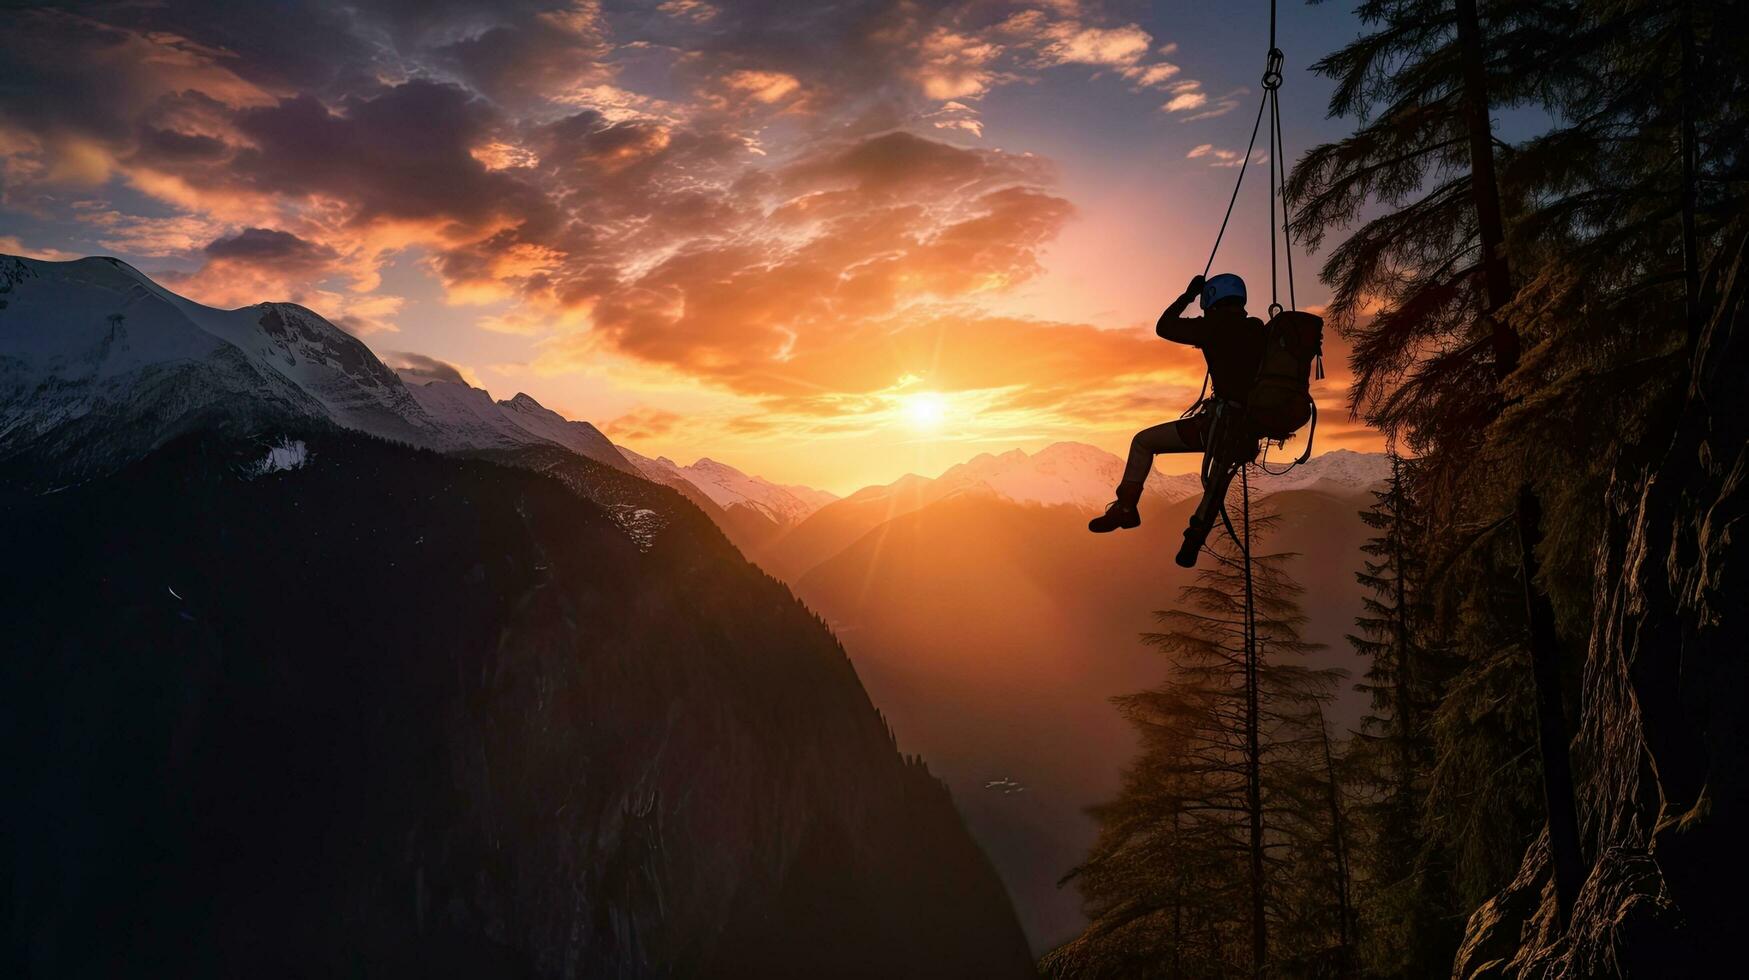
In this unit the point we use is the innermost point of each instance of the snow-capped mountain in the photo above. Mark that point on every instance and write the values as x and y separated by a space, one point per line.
1337 471
1069 473
469 416
98 364
1078 475
1065 473
579 437
472 420
729 487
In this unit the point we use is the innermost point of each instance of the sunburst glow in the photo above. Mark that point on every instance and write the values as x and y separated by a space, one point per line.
924 411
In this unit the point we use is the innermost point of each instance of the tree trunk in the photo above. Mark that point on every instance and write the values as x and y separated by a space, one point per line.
1690 167
1402 680
1253 754
1339 850
1552 734
1177 911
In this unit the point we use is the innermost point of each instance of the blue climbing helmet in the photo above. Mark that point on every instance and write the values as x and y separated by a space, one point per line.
1224 286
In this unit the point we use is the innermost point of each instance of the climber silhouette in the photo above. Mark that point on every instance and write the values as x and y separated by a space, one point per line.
1231 342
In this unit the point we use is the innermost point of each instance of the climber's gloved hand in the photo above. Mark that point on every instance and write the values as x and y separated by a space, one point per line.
1195 287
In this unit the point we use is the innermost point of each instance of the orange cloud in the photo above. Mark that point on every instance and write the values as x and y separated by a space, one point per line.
759 203
952 65
643 423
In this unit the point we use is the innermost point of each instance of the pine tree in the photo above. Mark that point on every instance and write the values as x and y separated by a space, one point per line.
1169 884
1628 195
1424 360
1408 913
1433 366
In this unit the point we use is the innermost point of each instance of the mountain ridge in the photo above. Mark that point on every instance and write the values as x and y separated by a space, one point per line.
729 487
96 354
1071 474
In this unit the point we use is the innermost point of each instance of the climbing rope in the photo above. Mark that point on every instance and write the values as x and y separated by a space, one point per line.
1244 164
1217 438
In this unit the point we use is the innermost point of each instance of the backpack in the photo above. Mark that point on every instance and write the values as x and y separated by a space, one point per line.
1280 401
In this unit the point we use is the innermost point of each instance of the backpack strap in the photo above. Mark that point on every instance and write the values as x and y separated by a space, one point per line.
1312 427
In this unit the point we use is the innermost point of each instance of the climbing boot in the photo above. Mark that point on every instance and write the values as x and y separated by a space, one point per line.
1122 513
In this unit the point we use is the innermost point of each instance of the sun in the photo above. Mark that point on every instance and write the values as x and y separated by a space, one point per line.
924 411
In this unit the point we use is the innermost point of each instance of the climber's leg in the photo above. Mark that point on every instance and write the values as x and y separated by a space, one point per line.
1181 436
1202 521
1122 512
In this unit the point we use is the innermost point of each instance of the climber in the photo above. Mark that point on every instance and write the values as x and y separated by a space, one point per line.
1232 343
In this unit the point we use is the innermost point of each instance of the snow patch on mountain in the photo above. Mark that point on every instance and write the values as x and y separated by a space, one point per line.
641 524
287 455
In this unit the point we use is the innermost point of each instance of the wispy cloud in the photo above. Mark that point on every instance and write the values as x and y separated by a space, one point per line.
1218 157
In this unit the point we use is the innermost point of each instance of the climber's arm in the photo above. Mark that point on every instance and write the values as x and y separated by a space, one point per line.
1174 326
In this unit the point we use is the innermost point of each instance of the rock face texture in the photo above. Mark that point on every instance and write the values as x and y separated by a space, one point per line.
390 713
1659 750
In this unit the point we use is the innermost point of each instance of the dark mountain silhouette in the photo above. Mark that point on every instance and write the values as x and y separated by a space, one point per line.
284 699
396 712
992 634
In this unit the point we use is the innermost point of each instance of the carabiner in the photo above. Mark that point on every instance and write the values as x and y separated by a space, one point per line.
1272 69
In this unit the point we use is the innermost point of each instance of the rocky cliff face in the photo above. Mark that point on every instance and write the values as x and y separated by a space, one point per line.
379 712
1659 750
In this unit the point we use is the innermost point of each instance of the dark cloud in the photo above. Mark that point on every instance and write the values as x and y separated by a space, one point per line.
167 147
403 153
297 44
260 245
905 163
535 57
420 369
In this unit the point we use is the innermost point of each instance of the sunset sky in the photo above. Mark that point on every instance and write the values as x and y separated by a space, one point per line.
828 243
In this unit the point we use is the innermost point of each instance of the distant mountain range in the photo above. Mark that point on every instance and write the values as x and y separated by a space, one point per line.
729 488
1065 474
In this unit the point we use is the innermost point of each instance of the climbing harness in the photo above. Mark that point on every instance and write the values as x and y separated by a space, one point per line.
1233 440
